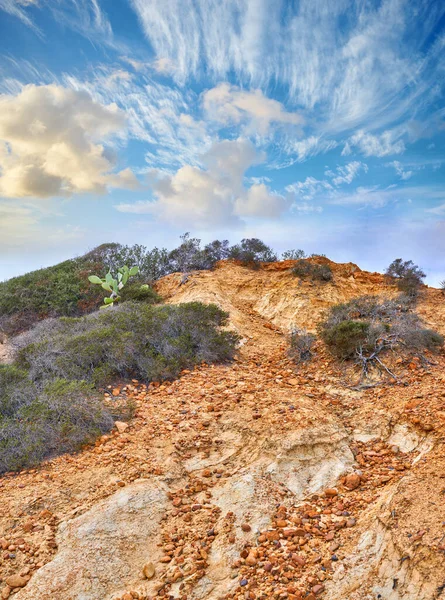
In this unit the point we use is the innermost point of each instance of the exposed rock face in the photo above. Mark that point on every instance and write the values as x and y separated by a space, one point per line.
104 549
251 480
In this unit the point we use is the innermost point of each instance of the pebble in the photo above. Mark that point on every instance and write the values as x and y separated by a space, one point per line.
149 570
352 481
16 581
121 426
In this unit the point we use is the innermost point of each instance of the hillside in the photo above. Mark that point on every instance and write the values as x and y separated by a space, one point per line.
256 479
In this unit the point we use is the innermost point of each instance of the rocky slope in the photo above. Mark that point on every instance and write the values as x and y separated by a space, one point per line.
252 480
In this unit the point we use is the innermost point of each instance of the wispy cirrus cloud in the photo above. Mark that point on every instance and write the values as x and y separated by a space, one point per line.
401 172
383 144
350 60
17 8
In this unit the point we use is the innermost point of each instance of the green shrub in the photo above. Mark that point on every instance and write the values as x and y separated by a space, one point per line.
48 402
137 340
140 293
304 268
367 328
346 337
43 420
293 255
251 252
406 275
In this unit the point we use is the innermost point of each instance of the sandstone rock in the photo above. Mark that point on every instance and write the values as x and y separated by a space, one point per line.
16 581
352 481
149 570
104 549
121 426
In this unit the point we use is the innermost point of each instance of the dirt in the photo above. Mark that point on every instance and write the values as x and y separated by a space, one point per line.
256 479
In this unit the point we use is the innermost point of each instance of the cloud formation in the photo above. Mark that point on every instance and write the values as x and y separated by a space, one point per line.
229 105
214 195
51 144
380 145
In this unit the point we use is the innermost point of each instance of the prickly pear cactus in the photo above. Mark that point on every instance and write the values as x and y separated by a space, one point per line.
113 284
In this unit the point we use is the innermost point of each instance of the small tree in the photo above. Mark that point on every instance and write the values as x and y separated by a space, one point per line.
293 254
114 284
407 276
303 268
251 252
442 286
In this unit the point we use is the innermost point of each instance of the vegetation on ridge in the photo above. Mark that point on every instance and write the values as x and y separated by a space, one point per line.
367 329
48 397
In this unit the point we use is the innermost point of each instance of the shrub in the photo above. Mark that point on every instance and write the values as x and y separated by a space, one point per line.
293 255
252 252
44 420
345 338
366 328
131 340
140 293
407 276
301 343
304 268
48 402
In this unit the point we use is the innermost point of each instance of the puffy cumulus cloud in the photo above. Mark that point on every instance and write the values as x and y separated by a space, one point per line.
229 104
259 201
380 145
50 143
213 195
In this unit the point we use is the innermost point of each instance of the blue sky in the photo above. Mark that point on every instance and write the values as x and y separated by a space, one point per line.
308 123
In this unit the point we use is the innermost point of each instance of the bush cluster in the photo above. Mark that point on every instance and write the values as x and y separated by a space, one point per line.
64 289
406 275
367 327
48 402
306 269
130 340
40 419
301 343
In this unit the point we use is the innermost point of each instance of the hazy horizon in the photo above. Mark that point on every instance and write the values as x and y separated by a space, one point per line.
310 124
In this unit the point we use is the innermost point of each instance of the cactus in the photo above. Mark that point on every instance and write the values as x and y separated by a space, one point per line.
113 285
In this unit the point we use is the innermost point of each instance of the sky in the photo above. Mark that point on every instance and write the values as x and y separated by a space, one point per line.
307 123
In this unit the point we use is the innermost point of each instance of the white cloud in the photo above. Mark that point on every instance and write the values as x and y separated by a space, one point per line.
355 63
309 188
380 145
50 143
214 195
17 9
437 210
304 149
164 66
230 105
404 175
348 172
259 201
